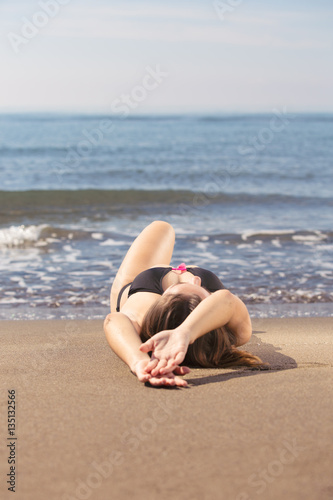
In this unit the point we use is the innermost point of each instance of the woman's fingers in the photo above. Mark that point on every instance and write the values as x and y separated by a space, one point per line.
156 381
158 369
162 367
181 382
166 367
168 381
179 358
181 370
170 364
151 365
147 346
143 377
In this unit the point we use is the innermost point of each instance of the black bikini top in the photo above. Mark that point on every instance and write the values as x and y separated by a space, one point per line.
151 280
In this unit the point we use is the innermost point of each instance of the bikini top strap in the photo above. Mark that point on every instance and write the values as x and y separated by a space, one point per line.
120 295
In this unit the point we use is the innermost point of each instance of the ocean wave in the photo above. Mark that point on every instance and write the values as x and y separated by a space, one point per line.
16 236
44 235
89 299
298 296
40 236
10 200
289 235
267 234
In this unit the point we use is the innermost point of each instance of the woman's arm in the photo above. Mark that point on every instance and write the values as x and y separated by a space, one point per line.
124 340
222 308
219 309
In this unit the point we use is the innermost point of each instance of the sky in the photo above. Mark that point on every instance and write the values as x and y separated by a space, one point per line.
172 56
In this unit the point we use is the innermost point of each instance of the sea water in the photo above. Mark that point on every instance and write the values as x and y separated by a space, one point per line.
250 198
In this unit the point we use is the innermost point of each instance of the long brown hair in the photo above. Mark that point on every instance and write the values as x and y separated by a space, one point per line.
214 349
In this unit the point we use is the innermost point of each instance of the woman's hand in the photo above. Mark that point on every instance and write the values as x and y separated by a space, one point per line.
168 348
169 379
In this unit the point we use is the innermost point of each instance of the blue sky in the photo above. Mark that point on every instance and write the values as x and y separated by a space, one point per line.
232 56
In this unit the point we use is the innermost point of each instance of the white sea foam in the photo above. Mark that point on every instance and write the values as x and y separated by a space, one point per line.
325 274
12 300
111 242
15 236
106 263
309 238
72 253
243 245
268 232
97 236
53 240
86 273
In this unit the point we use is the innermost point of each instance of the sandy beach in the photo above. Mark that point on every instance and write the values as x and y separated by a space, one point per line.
86 428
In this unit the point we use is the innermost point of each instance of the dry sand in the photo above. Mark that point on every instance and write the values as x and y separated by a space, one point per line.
86 428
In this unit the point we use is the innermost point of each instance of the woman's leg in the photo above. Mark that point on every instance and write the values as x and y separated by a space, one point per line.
153 247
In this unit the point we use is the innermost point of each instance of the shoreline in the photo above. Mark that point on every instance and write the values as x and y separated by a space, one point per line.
260 310
87 428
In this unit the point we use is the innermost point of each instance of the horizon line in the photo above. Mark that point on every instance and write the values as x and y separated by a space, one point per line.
160 113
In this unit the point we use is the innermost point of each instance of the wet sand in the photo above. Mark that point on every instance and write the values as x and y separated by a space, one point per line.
86 428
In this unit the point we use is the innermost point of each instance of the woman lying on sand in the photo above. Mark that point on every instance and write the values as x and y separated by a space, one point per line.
181 314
